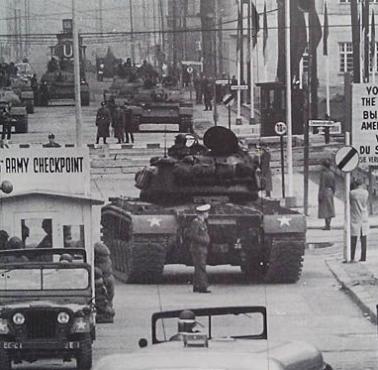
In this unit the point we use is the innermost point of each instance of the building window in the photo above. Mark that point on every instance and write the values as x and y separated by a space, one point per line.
346 57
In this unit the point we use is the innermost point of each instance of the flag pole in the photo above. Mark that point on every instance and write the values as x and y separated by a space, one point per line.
238 66
251 66
372 37
325 52
288 101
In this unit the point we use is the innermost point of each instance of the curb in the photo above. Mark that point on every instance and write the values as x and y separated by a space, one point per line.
356 292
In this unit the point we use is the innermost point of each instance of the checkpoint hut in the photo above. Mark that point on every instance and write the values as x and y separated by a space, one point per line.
51 204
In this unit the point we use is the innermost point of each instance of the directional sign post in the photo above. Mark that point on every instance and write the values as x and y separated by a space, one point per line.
239 87
280 129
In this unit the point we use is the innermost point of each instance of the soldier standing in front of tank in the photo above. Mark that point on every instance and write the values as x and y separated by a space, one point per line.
199 239
128 123
103 120
327 188
117 124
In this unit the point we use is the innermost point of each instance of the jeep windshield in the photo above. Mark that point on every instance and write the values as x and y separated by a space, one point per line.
44 279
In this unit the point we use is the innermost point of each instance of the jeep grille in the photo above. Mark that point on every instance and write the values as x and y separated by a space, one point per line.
41 324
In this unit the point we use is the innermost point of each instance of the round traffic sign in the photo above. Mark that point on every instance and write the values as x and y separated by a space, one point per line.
189 69
280 128
347 158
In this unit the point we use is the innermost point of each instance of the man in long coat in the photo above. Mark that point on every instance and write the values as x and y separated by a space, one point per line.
118 124
199 239
359 217
128 124
103 120
327 188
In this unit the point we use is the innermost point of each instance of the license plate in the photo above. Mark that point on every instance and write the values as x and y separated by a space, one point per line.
72 345
12 345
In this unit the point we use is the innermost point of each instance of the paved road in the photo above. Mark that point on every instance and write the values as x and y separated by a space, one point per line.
314 310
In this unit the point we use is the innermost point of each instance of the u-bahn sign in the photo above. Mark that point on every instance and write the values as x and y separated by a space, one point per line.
365 122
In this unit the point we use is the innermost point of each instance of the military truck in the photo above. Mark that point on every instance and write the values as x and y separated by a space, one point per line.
46 307
10 102
266 240
58 81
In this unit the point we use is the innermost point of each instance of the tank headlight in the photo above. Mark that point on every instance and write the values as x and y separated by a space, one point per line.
63 318
18 318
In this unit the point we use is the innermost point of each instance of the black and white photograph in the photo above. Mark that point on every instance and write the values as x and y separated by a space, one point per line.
188 184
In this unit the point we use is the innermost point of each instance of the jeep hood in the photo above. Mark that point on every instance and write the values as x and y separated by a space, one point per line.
225 355
47 304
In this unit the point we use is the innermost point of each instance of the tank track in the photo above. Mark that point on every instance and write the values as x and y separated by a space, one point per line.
140 260
285 261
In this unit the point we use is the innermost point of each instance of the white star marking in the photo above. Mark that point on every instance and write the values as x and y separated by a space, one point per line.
154 221
3 327
284 221
81 325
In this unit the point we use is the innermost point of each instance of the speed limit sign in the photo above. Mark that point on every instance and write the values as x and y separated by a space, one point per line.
280 128
189 70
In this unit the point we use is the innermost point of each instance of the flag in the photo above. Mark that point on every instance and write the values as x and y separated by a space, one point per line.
372 34
365 37
255 23
355 40
265 32
325 31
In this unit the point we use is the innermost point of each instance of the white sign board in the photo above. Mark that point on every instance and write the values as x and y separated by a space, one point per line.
365 122
221 82
239 87
280 128
63 170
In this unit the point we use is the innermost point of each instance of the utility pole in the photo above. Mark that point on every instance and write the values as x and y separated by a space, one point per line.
174 33
76 57
251 80
132 31
215 117
288 102
100 16
162 25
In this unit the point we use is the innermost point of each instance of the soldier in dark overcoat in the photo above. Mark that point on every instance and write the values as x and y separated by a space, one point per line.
199 239
118 124
103 120
128 123
327 188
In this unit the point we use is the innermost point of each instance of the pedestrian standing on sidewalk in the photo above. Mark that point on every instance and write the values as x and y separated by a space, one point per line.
327 189
359 217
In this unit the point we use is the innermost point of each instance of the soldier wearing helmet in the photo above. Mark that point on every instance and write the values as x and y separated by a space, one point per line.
179 150
186 324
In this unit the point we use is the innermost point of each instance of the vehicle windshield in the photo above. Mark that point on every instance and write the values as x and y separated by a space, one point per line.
44 279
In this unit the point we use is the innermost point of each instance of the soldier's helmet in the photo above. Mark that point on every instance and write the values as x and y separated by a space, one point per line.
65 258
186 322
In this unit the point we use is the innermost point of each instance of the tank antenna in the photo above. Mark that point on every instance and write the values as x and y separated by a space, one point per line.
165 141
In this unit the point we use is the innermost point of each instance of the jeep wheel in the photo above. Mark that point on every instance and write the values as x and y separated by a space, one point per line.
5 362
84 355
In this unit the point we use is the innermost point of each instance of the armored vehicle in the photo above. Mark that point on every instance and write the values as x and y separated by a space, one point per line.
46 307
152 103
12 108
21 85
216 338
58 81
266 240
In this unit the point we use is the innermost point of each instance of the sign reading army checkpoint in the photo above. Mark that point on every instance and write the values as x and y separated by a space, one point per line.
64 170
365 122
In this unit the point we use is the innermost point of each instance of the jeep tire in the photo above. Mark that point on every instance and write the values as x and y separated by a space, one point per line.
5 362
84 354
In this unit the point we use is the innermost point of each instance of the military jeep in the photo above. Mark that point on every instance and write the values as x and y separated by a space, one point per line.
46 306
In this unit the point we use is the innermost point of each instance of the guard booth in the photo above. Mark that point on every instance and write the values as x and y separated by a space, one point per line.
51 200
273 107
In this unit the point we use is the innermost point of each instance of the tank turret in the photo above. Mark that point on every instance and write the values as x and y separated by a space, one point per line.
219 168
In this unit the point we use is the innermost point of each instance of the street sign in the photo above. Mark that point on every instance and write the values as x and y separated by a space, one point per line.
221 82
239 87
280 128
189 70
228 99
347 159
191 62
334 127
365 122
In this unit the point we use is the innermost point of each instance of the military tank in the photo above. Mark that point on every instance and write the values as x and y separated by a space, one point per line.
152 103
58 82
11 102
266 240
